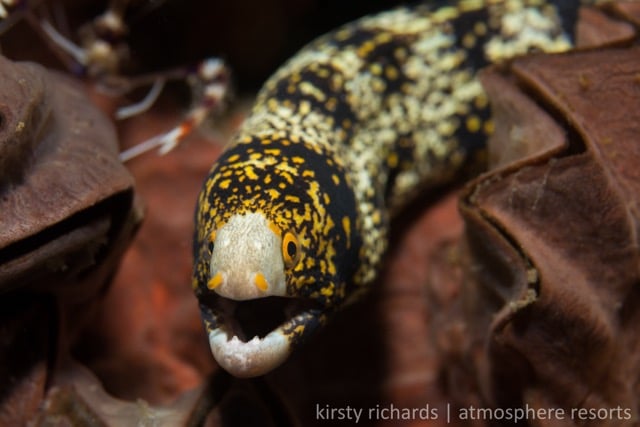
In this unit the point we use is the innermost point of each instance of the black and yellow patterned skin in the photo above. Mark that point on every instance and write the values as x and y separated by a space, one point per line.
340 138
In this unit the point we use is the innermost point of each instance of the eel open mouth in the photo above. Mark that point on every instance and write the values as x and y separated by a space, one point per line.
252 337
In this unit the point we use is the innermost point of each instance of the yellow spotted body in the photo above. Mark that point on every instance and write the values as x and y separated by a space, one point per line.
353 126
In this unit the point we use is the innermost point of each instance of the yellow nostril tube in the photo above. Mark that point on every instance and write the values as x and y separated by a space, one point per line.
260 282
215 281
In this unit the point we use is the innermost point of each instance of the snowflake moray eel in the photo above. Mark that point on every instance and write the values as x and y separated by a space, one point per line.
295 213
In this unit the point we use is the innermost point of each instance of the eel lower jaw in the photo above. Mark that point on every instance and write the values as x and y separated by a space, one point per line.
249 359
277 324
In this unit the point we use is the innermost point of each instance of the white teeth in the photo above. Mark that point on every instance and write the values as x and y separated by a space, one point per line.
249 359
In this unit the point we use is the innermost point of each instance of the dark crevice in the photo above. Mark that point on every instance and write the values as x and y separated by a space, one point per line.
116 207
56 244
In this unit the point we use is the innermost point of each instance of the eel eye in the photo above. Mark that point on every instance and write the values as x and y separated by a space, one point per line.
290 249
212 240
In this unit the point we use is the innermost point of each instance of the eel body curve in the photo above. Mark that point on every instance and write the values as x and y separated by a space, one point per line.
293 219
